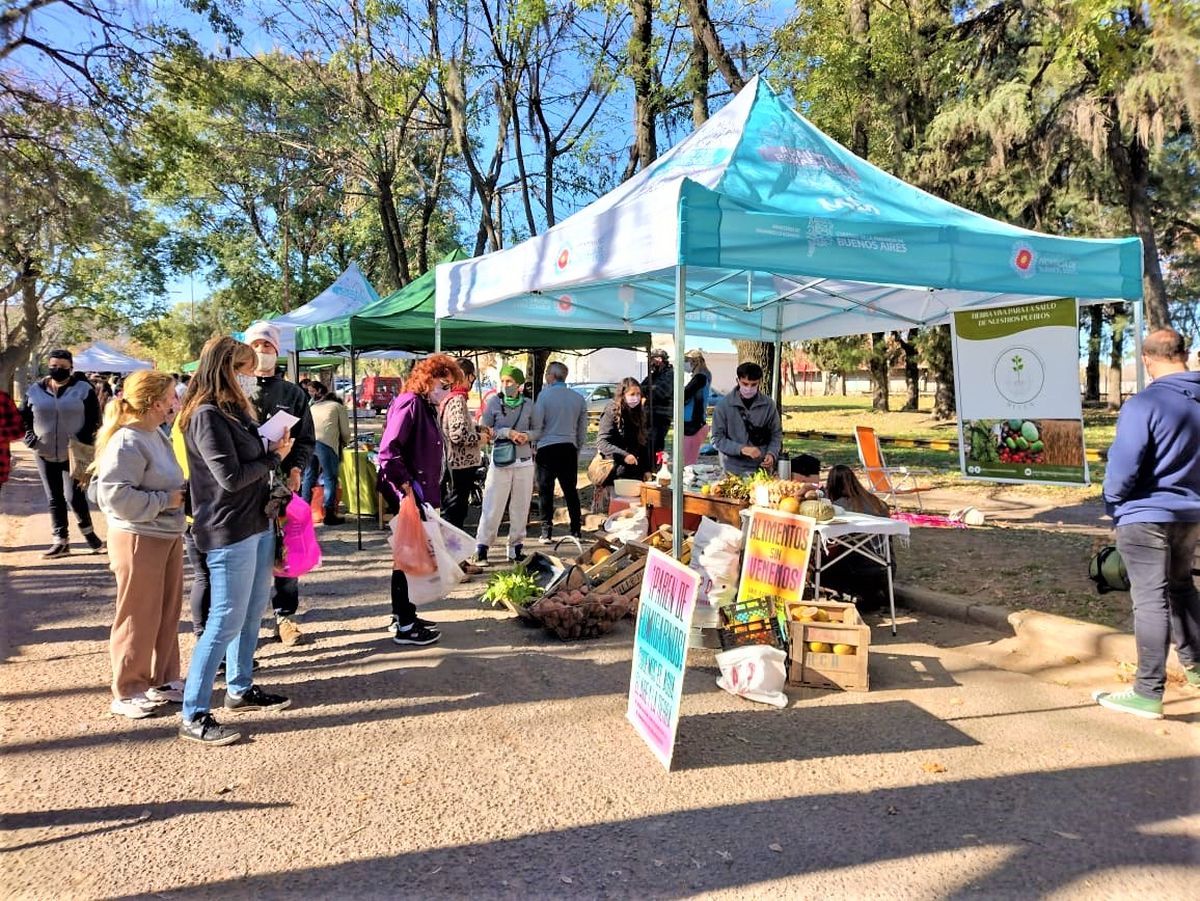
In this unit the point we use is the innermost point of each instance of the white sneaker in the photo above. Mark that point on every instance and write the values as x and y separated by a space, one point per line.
135 708
172 691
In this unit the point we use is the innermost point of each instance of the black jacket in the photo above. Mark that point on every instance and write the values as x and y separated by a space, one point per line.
275 394
615 442
658 390
229 477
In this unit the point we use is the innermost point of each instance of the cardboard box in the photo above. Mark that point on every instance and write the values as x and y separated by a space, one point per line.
813 669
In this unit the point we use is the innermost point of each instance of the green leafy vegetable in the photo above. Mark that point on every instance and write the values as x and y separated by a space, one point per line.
515 586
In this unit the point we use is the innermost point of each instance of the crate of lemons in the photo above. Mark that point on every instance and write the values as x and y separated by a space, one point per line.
829 645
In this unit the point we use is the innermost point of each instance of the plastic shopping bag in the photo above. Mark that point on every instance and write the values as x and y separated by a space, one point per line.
411 553
755 672
457 544
717 556
301 552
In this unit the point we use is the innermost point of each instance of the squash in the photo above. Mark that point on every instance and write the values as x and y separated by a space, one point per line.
821 511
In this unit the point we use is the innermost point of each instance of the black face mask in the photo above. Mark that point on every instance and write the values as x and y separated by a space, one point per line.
60 373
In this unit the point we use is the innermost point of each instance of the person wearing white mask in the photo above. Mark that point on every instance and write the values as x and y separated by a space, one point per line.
624 435
272 394
746 428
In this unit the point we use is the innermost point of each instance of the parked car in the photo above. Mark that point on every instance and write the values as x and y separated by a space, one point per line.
597 395
378 390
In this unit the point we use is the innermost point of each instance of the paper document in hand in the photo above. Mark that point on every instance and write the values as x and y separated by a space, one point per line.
276 427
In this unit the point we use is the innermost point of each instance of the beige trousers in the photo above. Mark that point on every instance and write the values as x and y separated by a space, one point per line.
144 642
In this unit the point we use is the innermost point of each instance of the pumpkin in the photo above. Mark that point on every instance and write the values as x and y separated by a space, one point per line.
821 511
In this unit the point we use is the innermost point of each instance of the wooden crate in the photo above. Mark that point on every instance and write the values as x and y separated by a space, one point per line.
838 612
827 670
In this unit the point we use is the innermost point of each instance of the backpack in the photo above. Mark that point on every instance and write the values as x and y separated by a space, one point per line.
1107 570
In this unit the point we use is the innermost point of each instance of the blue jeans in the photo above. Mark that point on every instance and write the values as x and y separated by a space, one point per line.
1158 559
325 459
240 584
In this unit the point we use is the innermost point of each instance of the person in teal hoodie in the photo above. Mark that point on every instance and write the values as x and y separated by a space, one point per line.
1152 492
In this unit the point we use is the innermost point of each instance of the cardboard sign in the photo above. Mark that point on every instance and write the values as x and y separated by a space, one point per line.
667 601
775 560
1016 375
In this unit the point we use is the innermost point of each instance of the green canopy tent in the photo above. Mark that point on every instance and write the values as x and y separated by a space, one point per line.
404 320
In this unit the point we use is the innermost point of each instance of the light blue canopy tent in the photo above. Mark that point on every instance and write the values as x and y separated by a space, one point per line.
758 226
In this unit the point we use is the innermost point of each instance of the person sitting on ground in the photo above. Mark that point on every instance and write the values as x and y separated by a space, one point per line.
331 425
514 420
807 468
411 456
140 488
746 430
858 577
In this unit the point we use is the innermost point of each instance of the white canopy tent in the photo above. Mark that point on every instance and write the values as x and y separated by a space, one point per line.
100 357
349 292
760 227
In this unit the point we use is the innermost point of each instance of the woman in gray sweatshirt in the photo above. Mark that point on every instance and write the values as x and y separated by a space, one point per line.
139 487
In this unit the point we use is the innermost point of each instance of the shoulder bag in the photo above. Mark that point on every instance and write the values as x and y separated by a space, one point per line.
504 451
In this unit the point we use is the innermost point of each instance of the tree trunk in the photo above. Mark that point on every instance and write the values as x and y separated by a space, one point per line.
698 72
26 334
938 351
1091 390
860 27
389 222
702 25
640 41
877 366
1119 324
763 354
912 370
1131 165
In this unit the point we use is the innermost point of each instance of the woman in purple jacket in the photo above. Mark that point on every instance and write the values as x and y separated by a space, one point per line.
411 457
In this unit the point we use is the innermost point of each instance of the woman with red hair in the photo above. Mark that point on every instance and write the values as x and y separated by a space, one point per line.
411 456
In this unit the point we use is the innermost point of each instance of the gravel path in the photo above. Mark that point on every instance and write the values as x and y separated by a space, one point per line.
499 764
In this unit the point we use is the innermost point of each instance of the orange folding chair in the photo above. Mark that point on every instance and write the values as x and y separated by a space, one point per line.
888 482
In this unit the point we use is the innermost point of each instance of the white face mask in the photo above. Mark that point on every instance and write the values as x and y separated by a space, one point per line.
248 384
747 391
438 394
633 400
266 361
687 367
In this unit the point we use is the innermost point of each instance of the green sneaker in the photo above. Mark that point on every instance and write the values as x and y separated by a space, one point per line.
1129 702
1193 675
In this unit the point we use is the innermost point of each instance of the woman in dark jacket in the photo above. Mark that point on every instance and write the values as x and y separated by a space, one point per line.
229 475
411 455
624 434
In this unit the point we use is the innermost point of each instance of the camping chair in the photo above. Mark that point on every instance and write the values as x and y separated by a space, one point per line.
888 482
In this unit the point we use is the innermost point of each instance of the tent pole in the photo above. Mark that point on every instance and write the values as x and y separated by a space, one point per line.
777 375
354 452
437 336
1138 325
677 413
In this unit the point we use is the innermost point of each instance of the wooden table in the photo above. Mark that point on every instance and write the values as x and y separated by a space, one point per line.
722 509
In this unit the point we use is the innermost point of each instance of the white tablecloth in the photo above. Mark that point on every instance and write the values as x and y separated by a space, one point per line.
850 523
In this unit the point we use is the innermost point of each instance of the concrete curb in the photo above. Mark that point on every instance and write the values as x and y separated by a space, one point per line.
954 607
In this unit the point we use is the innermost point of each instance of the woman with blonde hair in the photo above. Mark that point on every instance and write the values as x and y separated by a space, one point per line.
229 485
139 487
696 395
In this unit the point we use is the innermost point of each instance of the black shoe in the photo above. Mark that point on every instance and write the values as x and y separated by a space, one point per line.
479 558
95 543
206 730
394 624
58 549
335 520
517 554
417 635
255 699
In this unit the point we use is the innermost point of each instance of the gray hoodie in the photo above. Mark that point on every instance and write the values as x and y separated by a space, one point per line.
53 418
732 422
135 476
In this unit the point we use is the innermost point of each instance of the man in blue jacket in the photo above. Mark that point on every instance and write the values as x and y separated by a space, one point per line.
1152 491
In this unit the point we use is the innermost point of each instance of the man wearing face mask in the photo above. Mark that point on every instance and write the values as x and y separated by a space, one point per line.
658 388
271 394
746 429
59 409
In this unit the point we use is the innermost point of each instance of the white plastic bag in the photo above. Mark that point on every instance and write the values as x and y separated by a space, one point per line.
433 587
630 524
755 672
717 556
458 544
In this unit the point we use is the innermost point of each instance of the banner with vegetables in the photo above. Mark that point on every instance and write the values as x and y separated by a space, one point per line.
1016 374
665 607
